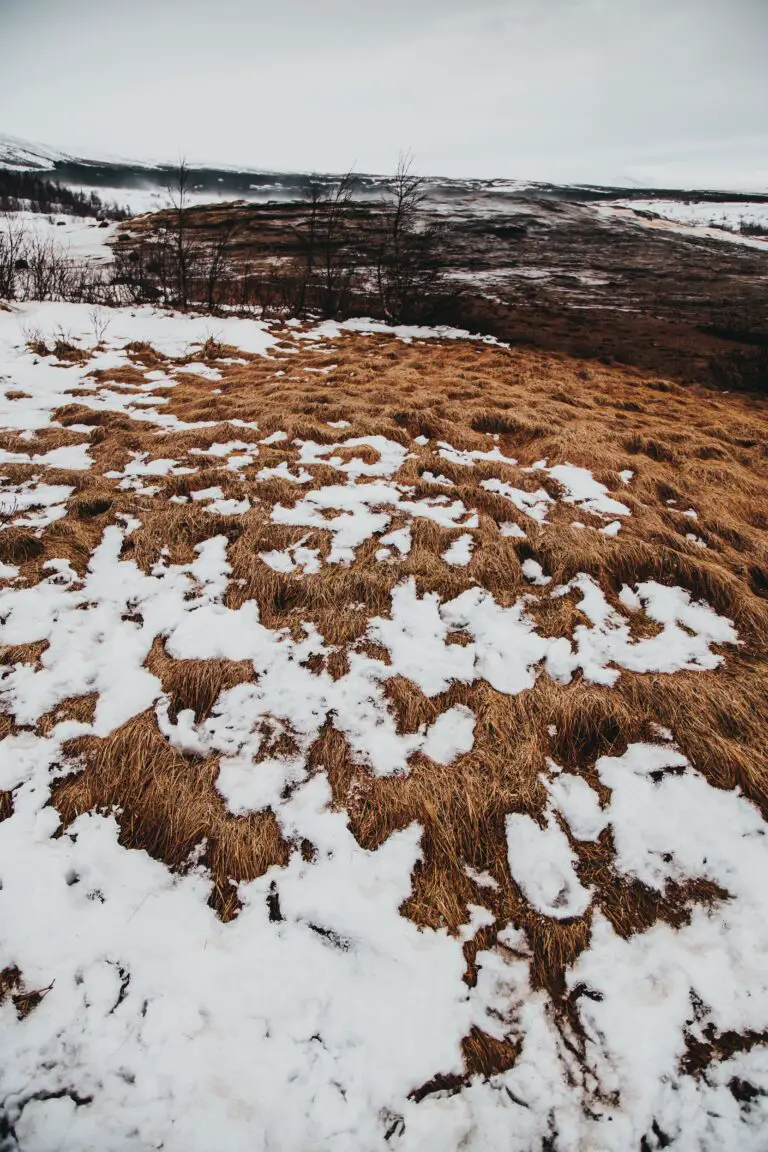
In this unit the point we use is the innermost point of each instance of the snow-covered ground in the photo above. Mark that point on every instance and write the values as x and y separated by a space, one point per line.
79 237
696 218
704 213
162 1027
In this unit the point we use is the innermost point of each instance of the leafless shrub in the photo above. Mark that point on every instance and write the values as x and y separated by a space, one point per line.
8 509
35 267
99 323
12 259
335 254
214 264
35 341
408 269
181 242
174 263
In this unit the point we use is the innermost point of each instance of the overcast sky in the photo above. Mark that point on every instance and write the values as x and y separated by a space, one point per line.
591 90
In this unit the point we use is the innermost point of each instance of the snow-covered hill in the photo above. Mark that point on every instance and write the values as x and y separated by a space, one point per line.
15 153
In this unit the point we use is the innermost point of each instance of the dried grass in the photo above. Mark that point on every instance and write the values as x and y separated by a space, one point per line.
699 449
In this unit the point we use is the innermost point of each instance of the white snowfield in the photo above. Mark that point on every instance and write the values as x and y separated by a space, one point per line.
162 1027
78 237
707 214
715 221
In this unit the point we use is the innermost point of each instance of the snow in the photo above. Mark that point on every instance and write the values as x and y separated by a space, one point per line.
578 804
506 648
702 219
221 450
483 879
687 632
582 489
459 553
73 458
635 1006
451 735
296 558
79 237
507 651
611 529
415 638
534 573
437 478
282 471
19 498
173 334
333 330
231 987
708 214
356 520
139 465
229 507
542 863
534 504
391 456
313 1031
467 459
91 646
399 538
204 371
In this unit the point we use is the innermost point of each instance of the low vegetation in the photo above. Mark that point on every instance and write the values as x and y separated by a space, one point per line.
687 450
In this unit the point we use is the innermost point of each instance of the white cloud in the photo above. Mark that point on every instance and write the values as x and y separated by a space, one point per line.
579 89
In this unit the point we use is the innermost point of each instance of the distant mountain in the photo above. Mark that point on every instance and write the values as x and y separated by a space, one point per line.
23 154
142 186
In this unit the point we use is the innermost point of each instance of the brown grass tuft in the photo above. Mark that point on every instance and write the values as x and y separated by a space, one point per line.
169 806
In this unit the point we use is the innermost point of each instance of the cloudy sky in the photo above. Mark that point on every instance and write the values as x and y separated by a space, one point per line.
637 91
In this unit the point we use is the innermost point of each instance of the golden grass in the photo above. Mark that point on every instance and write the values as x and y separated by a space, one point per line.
170 806
703 450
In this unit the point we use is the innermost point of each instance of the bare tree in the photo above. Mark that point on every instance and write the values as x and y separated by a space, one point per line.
408 266
215 261
330 246
178 192
308 241
337 245
177 261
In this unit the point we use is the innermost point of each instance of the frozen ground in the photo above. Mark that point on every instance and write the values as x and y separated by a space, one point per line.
79 237
703 213
160 1026
711 220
